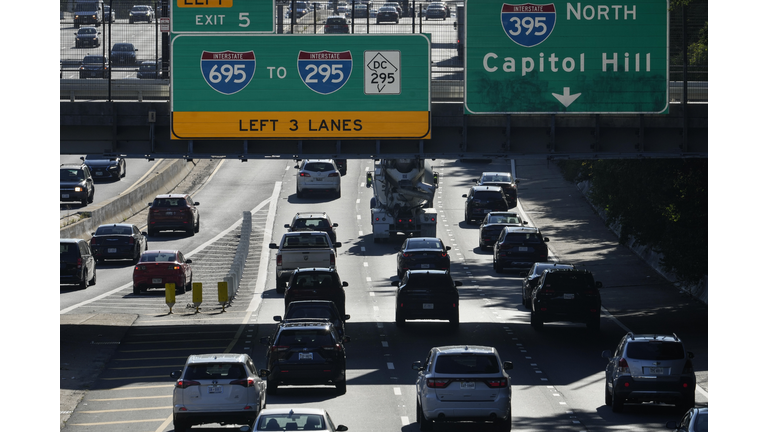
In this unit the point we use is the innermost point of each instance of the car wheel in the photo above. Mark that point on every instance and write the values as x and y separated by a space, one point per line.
399 319
617 403
83 281
608 400
504 425
279 286
686 403
454 320
136 290
197 225
298 192
84 201
93 279
341 386
536 322
497 267
424 424
338 193
181 288
180 426
90 198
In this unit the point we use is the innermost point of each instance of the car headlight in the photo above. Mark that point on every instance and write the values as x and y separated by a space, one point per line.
78 188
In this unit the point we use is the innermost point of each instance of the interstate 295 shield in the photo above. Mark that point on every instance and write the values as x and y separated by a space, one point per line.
228 72
528 24
325 72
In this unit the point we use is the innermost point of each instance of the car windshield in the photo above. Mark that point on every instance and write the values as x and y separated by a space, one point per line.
94 59
215 371
139 8
86 30
71 175
466 364
528 238
292 421
114 230
86 7
158 257
504 219
122 47
305 337
487 195
655 350
424 244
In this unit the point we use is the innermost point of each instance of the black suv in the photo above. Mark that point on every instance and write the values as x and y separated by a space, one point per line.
313 221
566 295
519 247
173 212
77 264
503 180
532 276
649 368
493 224
427 294
76 183
336 25
316 284
306 353
482 200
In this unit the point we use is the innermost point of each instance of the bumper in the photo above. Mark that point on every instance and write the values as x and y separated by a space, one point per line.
227 417
170 226
119 253
562 314
72 196
303 375
636 390
439 313
320 186
465 411
518 263
75 279
145 283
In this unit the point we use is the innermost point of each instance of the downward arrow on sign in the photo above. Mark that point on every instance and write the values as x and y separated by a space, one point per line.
566 98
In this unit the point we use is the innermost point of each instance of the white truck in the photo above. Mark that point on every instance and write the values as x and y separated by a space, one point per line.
403 193
302 249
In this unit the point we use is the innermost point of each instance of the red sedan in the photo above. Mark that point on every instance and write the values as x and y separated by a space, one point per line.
159 267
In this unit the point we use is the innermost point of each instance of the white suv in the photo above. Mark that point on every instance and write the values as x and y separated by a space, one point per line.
463 383
320 175
217 388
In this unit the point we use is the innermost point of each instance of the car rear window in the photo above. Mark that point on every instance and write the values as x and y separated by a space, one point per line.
527 238
114 230
309 312
94 59
169 202
308 338
336 21
487 195
308 241
504 219
318 166
497 178
655 350
158 257
562 281
467 364
433 282
293 421
69 250
424 244
212 371
314 280
312 223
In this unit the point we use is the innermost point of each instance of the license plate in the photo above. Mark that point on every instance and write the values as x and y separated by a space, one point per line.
214 389
157 280
568 296
428 306
469 385
98 173
655 370
305 356
523 249
65 195
425 266
169 213
111 250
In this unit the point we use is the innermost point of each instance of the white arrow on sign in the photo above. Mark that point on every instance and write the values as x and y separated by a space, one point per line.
566 98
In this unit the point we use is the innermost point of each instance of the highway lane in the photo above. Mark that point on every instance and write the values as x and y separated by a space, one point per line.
557 380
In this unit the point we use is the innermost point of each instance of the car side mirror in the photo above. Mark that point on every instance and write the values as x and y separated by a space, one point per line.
176 374
523 274
346 339
149 204
417 365
341 428
507 365
277 318
346 317
245 428
672 425
188 261
337 245
273 245
606 354
263 373
344 284
397 248
197 203
144 233
546 239
287 226
525 222
458 283
690 355
598 284
296 166
447 248
335 225
464 196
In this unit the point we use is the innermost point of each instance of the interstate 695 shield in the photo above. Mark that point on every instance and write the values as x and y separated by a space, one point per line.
228 72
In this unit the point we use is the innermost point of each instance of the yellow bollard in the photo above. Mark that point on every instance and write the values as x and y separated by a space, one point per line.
223 295
170 296
197 295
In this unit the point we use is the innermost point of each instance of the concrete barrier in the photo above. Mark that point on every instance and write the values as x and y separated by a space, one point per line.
120 208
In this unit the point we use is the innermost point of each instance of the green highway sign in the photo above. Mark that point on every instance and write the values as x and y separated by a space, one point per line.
300 86
218 16
562 56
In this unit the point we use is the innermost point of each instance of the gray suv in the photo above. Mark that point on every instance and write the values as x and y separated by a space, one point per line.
463 383
649 368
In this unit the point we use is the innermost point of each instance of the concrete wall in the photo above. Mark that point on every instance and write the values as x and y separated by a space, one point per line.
120 208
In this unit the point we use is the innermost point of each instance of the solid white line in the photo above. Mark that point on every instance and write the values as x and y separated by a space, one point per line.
261 279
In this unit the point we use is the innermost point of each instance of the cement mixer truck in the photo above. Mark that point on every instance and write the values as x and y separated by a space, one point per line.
403 192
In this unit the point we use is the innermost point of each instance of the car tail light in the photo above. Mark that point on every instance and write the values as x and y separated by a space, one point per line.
131 241
79 263
623 366
438 382
93 241
173 267
336 347
182 383
245 382
444 254
304 174
407 255
333 174
140 268
279 259
333 259
590 292
688 368
278 348
496 383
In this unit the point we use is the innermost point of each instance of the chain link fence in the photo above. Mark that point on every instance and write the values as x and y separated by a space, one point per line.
113 49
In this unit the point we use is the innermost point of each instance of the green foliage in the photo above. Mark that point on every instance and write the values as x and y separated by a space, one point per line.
661 203
697 51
